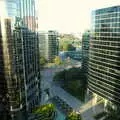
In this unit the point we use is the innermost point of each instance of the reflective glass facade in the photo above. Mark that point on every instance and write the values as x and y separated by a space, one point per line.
85 50
19 58
104 55
53 45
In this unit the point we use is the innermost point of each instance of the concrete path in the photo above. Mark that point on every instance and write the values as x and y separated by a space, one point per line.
68 98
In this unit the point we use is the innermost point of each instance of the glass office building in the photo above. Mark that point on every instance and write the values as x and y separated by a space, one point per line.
53 45
104 55
85 50
43 44
19 59
49 45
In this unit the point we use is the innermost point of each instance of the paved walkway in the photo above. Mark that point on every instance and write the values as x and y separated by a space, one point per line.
72 101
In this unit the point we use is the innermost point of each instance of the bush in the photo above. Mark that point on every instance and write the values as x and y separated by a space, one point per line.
73 116
43 61
45 111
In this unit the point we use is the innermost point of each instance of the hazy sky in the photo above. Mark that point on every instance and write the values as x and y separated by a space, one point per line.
69 15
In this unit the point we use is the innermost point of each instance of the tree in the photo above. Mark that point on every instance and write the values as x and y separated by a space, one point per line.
68 47
73 81
57 60
59 76
71 47
61 47
46 112
73 116
43 61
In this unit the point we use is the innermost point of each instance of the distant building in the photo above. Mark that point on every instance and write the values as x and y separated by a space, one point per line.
53 45
43 44
19 61
85 50
49 45
31 22
104 55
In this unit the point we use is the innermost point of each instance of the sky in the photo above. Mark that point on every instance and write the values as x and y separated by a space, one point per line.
69 16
